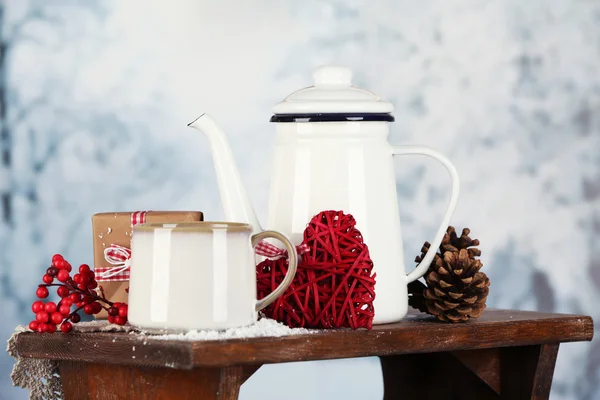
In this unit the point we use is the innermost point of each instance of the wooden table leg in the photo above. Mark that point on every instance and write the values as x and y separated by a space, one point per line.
89 381
526 371
435 376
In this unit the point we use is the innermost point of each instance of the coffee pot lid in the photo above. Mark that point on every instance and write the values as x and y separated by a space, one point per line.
333 98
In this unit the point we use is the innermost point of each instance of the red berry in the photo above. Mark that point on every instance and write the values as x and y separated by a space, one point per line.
56 318
47 279
113 311
82 286
77 278
75 297
88 299
51 328
66 301
68 267
111 319
50 307
75 318
63 291
123 311
42 328
41 316
33 325
88 309
37 306
60 264
66 327
64 309
92 285
84 279
120 320
56 258
97 307
63 275
52 271
91 275
41 292
118 305
84 269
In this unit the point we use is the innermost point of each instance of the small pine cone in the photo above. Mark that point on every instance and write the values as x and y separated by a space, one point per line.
456 289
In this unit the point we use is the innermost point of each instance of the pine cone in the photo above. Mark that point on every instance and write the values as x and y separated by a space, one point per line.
456 290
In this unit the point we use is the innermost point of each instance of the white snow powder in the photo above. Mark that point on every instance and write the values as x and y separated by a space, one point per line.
263 328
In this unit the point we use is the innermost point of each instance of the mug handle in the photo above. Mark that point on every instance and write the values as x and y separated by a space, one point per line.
420 270
292 265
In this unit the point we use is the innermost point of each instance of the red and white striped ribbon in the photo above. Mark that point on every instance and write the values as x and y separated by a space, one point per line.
267 249
138 217
119 256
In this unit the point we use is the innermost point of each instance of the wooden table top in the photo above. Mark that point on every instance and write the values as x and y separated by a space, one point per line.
417 333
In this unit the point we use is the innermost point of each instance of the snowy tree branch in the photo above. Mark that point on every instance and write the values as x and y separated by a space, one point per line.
40 163
37 14
23 113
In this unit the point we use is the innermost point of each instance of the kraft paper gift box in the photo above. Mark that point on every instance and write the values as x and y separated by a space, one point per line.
112 241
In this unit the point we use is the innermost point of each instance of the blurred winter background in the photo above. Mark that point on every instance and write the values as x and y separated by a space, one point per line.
95 97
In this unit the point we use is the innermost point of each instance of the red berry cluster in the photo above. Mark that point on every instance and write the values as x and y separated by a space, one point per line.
78 291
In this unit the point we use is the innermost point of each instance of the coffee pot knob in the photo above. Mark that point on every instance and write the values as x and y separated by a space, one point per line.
332 76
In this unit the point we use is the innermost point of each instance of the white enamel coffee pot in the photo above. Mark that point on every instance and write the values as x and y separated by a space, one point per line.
332 154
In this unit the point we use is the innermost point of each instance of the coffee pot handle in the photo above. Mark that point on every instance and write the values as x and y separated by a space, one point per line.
292 265
421 269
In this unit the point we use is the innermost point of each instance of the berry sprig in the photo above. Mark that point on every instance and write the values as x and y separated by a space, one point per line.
77 290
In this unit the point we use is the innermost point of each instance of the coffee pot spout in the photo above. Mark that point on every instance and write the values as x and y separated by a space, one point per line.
236 203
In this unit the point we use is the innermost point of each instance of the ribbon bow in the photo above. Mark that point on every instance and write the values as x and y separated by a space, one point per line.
119 256
267 249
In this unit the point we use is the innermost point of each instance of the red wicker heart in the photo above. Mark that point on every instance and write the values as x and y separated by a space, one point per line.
334 286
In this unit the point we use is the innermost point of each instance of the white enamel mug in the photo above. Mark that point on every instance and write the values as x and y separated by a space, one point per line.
198 275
